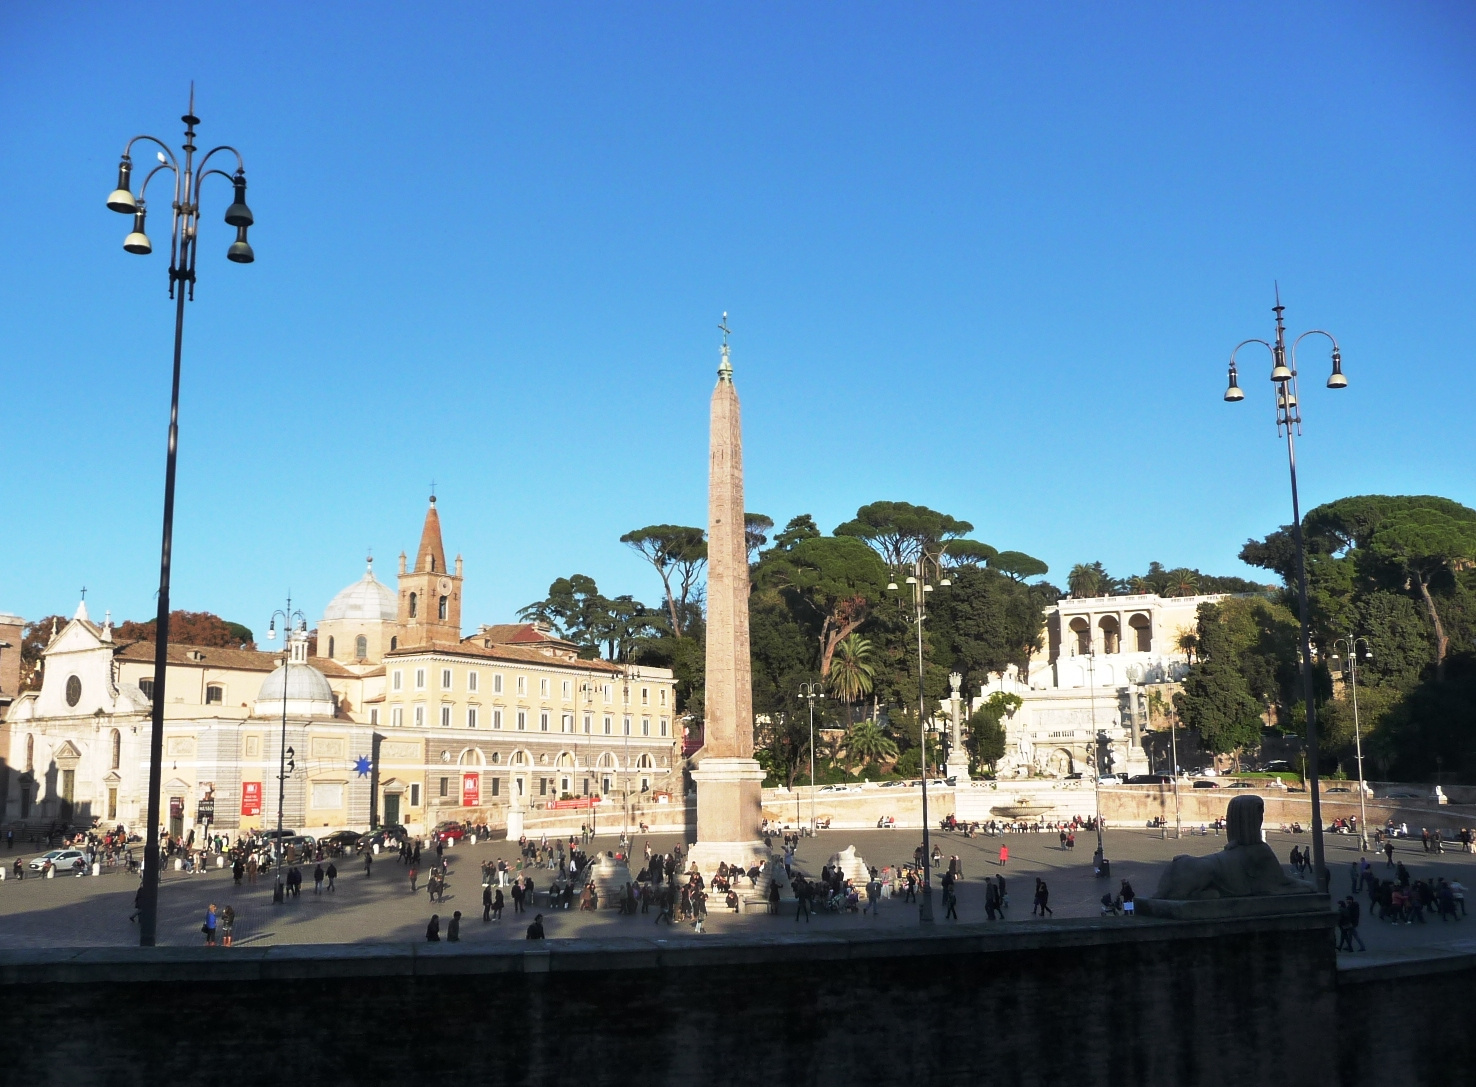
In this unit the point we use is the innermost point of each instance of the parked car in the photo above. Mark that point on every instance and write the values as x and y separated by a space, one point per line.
448 832
1074 776
341 839
1150 779
388 837
1339 789
1206 783
63 860
831 789
894 785
1277 766
1241 785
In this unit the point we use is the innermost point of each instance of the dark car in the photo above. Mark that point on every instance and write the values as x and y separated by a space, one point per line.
1277 766
1150 779
448 832
340 840
386 837
1206 783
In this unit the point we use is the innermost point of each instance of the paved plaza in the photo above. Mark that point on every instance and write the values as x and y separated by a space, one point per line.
91 912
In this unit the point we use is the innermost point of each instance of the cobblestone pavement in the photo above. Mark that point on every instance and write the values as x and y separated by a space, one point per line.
72 912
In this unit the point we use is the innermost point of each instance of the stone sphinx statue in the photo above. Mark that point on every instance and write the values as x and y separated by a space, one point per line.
1245 868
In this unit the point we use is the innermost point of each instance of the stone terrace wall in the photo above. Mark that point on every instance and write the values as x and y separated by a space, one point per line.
1081 1002
1407 1022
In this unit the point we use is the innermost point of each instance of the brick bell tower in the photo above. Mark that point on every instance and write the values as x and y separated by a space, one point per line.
430 594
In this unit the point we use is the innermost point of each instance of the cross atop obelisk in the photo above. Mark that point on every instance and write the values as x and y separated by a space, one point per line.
729 779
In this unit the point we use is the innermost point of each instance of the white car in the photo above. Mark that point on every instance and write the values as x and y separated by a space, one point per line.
63 860
831 789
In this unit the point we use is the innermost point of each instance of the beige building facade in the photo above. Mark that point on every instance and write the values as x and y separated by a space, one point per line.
397 720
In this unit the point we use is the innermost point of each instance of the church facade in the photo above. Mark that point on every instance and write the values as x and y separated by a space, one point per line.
397 718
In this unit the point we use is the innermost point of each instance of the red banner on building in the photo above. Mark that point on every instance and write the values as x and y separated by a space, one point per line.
471 790
250 798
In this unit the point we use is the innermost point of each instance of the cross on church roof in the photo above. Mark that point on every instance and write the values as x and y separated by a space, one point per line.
84 592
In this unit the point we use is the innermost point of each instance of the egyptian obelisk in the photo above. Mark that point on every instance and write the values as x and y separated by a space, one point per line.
729 779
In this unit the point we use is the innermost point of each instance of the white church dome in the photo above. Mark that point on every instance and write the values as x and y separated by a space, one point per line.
364 599
304 684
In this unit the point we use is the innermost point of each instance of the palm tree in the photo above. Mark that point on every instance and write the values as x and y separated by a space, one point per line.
865 742
851 670
1188 641
1182 582
1084 580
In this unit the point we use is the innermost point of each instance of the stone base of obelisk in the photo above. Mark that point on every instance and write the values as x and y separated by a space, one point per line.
958 770
729 819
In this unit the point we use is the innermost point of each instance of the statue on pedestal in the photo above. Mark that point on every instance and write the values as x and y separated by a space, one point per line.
1246 867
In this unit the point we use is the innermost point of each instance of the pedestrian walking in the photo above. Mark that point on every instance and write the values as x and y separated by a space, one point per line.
433 930
332 875
208 928
1004 855
802 896
227 925
414 875
535 930
368 865
318 879
497 905
486 902
453 930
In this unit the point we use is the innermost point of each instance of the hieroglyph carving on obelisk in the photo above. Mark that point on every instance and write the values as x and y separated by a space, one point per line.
729 779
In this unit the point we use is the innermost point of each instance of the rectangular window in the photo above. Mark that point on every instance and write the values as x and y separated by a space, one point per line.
543 687
522 720
664 726
609 724
543 786
609 692
415 794
496 786
568 688
445 783
253 747
214 695
588 724
397 716
397 679
568 722
645 726
419 716
625 693
112 803
522 685
445 716
496 682
663 696
445 679
147 687
471 717
374 715
645 696
471 681
543 721
497 719
420 679
626 724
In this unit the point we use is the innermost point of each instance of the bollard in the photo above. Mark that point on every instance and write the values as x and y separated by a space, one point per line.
376 849
220 862
473 839
178 864
2 874
51 872
96 868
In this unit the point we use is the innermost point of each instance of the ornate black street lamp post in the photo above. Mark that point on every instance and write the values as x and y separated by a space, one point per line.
1289 422
183 241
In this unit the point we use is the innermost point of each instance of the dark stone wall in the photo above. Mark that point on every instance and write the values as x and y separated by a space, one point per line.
1407 1023
1140 1002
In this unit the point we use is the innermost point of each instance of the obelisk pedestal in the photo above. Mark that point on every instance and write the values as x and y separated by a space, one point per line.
729 779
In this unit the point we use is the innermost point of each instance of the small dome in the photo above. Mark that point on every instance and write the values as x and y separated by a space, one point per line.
364 599
304 684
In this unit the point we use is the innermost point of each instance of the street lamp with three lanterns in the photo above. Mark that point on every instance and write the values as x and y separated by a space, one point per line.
288 617
1289 423
809 692
1352 647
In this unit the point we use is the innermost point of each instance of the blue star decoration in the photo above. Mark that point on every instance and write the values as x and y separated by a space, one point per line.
361 764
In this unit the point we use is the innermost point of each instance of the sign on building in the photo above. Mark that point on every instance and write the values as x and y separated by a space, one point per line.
250 798
471 790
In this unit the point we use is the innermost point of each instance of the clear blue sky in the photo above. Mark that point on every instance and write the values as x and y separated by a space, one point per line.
990 258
